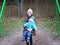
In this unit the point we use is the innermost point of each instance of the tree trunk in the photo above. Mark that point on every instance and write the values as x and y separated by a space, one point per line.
19 5
36 7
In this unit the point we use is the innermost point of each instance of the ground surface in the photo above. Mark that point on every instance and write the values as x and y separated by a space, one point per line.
41 39
13 26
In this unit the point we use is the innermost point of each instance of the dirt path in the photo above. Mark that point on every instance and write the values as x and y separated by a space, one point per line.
41 39
9 40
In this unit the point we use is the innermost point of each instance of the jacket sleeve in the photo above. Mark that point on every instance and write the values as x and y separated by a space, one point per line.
34 26
25 26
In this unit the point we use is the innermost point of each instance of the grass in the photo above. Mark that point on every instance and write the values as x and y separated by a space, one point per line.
49 27
12 26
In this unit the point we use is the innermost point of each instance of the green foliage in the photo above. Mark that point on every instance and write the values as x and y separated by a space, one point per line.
12 26
49 27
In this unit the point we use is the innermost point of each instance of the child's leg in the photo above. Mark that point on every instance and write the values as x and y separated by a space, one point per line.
27 43
24 35
31 41
28 36
24 32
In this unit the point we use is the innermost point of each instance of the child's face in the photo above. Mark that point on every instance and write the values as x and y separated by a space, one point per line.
29 14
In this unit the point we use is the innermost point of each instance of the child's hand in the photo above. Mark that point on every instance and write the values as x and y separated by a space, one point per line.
34 34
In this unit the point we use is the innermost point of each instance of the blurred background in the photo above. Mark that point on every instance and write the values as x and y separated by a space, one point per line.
43 10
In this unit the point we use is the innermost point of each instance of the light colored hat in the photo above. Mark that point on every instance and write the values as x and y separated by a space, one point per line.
30 11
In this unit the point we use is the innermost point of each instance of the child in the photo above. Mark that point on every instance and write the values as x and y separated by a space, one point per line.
30 15
27 33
